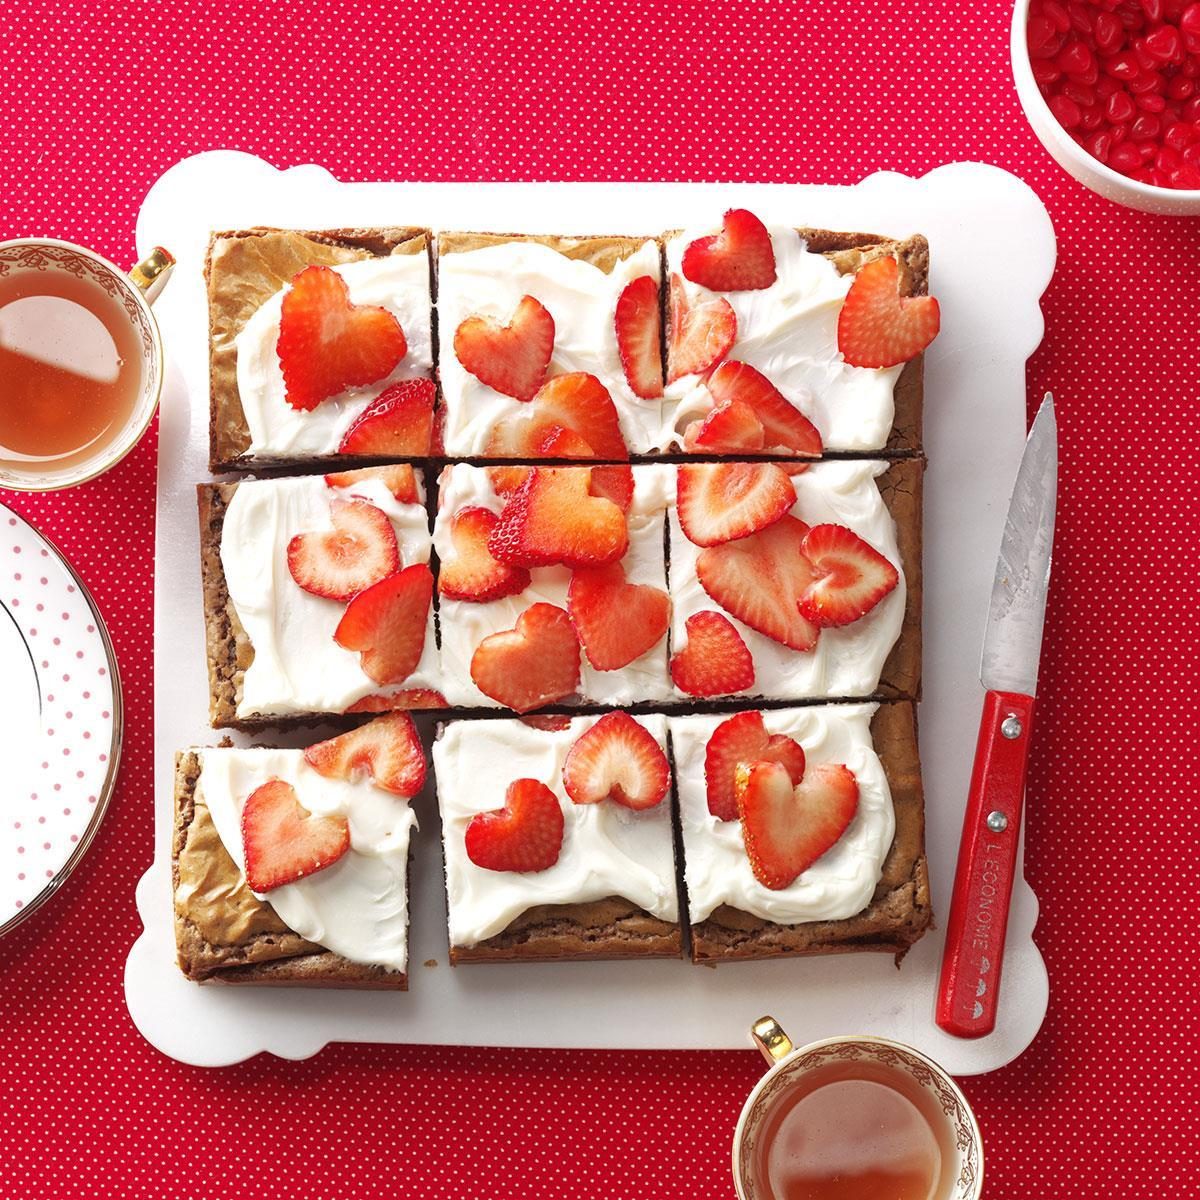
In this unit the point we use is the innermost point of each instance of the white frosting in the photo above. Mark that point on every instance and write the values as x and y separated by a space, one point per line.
358 907
846 661
399 283
465 624
607 849
581 298
842 881
789 332
298 667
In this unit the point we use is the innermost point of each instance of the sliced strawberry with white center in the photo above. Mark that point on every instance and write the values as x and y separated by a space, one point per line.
283 842
387 622
614 482
878 327
513 358
787 826
714 661
553 518
387 749
327 345
721 502
617 759
531 665
525 835
759 579
731 428
742 740
399 479
639 337
850 576
578 403
786 430
616 621
399 421
472 573
339 563
410 698
738 259
700 334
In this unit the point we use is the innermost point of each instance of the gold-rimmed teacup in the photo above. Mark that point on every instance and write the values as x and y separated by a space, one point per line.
961 1166
43 259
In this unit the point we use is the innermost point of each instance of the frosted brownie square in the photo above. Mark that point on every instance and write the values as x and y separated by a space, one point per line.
755 585
385 273
868 890
514 312
557 877
785 345
289 630
523 637
291 866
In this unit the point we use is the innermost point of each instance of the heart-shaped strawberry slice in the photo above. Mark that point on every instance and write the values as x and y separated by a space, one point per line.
572 416
535 663
326 344
878 327
714 661
360 550
283 841
387 749
787 826
738 259
739 741
616 621
387 624
525 835
617 759
511 358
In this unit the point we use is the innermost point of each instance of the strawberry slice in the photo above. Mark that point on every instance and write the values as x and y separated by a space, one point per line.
850 576
759 579
326 344
525 835
739 741
473 574
339 563
616 621
506 479
533 664
701 334
738 259
786 430
614 483
639 337
730 428
410 698
386 624
786 826
513 358
714 661
398 421
565 443
878 327
578 403
399 479
617 759
547 722
721 502
282 841
387 749
553 518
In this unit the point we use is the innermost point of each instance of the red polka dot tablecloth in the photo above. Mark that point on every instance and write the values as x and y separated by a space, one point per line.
98 101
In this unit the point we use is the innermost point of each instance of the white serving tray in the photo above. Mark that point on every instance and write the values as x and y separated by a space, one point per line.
992 256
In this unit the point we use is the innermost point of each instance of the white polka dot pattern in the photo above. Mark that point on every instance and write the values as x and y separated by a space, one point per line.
632 89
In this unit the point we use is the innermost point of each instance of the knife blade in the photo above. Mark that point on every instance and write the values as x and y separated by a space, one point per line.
969 987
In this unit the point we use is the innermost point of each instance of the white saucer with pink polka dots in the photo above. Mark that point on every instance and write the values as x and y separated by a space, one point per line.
60 719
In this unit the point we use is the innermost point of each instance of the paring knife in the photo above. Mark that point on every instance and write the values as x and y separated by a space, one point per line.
987 855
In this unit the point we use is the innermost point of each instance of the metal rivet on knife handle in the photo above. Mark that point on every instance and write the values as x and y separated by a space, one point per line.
997 822
1011 727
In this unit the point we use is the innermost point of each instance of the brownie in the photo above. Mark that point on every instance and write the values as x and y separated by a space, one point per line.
901 487
223 933
243 269
900 911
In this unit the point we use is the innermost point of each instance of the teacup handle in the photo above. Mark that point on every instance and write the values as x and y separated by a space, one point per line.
151 274
769 1037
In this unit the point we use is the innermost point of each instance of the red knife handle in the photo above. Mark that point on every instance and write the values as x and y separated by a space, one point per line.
987 857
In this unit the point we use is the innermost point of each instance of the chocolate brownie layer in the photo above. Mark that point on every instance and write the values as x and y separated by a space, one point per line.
901 488
223 933
900 911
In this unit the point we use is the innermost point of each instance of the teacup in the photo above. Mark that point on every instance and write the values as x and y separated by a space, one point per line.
771 1143
82 361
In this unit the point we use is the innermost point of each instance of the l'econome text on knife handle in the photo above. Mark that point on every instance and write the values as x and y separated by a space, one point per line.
969 989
